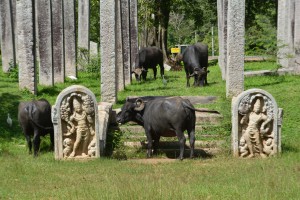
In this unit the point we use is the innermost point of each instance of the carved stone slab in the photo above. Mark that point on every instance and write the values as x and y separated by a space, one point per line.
76 124
256 124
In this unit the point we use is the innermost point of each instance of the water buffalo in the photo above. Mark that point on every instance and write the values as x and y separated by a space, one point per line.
195 60
168 117
35 120
149 57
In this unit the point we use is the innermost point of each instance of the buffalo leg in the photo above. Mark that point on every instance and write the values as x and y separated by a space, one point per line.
156 144
162 69
154 72
192 139
36 143
187 80
181 140
29 143
150 144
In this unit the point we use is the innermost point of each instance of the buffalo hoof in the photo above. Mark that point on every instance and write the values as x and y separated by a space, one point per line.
180 158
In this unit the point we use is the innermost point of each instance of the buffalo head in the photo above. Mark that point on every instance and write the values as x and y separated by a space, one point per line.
131 111
140 73
200 75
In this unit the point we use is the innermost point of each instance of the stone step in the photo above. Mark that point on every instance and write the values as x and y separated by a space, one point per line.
140 129
175 144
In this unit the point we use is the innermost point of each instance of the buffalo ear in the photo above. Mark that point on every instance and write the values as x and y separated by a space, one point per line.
139 105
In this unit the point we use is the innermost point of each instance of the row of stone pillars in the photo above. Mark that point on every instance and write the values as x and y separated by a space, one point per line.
231 19
118 45
44 30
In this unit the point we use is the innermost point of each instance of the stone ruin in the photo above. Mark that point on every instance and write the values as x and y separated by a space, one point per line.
76 124
256 124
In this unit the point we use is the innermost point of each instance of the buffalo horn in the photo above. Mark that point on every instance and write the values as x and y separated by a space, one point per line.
139 105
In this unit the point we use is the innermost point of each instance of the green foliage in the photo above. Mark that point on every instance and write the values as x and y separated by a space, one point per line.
13 71
89 63
261 37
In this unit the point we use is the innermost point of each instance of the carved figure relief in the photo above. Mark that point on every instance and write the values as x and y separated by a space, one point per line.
256 115
78 125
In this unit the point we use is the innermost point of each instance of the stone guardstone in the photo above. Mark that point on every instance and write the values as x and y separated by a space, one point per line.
76 124
256 124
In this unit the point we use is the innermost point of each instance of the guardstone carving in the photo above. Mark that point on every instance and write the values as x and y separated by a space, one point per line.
75 119
256 125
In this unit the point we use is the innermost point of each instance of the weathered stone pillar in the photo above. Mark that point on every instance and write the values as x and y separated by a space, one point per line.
223 37
14 18
126 40
282 27
235 47
83 32
70 38
297 38
7 35
45 42
290 36
108 51
84 24
133 32
93 49
26 45
58 41
119 49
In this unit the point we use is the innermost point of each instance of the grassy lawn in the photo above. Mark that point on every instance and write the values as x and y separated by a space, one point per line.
219 177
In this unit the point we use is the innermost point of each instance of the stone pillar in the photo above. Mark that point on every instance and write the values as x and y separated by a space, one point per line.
297 38
282 43
126 40
58 41
119 49
83 32
224 38
70 38
290 36
93 49
26 45
108 51
45 42
14 18
235 48
84 24
7 35
133 32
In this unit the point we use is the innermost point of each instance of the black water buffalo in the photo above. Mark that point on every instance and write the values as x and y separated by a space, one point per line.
166 117
149 57
195 60
35 120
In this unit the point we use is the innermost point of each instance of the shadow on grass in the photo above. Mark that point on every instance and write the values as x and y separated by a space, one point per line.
289 148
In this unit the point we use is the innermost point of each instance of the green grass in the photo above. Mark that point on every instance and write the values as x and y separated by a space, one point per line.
219 177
